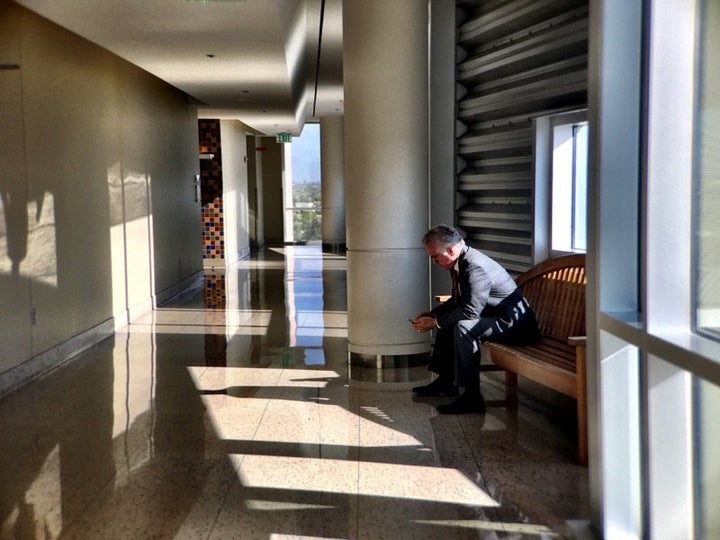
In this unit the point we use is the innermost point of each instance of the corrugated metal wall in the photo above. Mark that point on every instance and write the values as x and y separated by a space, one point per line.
517 60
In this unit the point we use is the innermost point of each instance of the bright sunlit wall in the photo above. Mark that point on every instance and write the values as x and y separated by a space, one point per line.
97 203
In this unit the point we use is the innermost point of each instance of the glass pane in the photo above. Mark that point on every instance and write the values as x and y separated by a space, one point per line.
569 187
620 437
307 225
707 460
707 158
580 188
562 189
669 462
303 208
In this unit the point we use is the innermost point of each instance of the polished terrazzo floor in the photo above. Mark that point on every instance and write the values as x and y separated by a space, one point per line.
232 413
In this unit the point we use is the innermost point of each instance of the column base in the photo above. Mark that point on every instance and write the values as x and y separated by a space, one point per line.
388 361
388 373
334 247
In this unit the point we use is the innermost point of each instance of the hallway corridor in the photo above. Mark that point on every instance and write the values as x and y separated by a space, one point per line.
232 413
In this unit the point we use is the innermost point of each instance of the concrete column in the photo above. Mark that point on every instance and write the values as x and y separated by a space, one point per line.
333 183
386 171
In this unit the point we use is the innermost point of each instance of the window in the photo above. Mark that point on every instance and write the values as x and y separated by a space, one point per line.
561 151
303 197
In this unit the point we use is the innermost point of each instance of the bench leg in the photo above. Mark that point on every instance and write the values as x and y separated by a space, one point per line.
511 379
581 358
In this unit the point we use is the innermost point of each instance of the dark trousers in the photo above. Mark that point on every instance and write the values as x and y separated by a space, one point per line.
455 354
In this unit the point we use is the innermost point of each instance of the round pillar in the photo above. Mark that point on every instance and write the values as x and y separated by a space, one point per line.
385 63
333 184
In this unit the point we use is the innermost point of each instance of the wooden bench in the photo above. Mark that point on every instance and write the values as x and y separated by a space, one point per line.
556 292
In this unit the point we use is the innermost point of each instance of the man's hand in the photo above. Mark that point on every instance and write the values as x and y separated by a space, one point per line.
424 323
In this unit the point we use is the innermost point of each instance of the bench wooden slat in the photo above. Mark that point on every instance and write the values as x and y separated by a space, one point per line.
556 290
534 368
550 351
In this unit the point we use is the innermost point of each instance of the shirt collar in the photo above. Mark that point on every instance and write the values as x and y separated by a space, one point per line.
456 266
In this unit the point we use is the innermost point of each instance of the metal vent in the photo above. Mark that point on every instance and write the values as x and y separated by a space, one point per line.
518 60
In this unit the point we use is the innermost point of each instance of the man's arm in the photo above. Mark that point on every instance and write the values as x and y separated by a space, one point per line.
475 287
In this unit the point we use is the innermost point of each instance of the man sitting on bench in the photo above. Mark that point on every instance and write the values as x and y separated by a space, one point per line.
485 305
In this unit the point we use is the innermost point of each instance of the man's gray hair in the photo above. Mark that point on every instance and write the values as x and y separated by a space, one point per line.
443 236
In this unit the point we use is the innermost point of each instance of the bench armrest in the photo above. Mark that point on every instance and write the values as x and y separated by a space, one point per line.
577 341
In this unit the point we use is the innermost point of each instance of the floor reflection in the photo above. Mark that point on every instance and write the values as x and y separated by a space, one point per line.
232 413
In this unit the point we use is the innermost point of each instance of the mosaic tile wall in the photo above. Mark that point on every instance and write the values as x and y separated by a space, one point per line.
215 339
211 188
215 295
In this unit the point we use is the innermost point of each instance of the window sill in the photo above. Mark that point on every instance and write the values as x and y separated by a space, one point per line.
690 351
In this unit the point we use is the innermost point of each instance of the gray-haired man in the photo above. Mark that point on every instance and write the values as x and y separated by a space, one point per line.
485 305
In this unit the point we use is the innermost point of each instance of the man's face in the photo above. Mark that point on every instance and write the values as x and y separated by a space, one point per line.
444 258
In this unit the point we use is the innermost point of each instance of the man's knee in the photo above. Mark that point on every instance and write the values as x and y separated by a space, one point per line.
470 329
462 327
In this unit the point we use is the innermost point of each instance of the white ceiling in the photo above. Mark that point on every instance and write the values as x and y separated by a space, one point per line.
254 60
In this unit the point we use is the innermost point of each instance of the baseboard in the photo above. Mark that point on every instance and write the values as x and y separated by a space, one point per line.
222 264
183 288
42 363
38 365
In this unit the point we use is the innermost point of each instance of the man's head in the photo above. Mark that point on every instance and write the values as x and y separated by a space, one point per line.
443 245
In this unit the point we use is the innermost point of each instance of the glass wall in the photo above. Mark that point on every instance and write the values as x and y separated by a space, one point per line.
655 252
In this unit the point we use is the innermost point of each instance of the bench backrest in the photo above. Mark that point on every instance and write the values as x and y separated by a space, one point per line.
556 292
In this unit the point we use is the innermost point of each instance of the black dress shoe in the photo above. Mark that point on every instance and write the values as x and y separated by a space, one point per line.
465 404
436 388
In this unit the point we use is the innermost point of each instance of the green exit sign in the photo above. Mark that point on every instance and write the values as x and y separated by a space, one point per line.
283 137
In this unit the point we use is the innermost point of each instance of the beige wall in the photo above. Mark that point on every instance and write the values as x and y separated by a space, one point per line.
272 189
98 162
235 190
255 220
